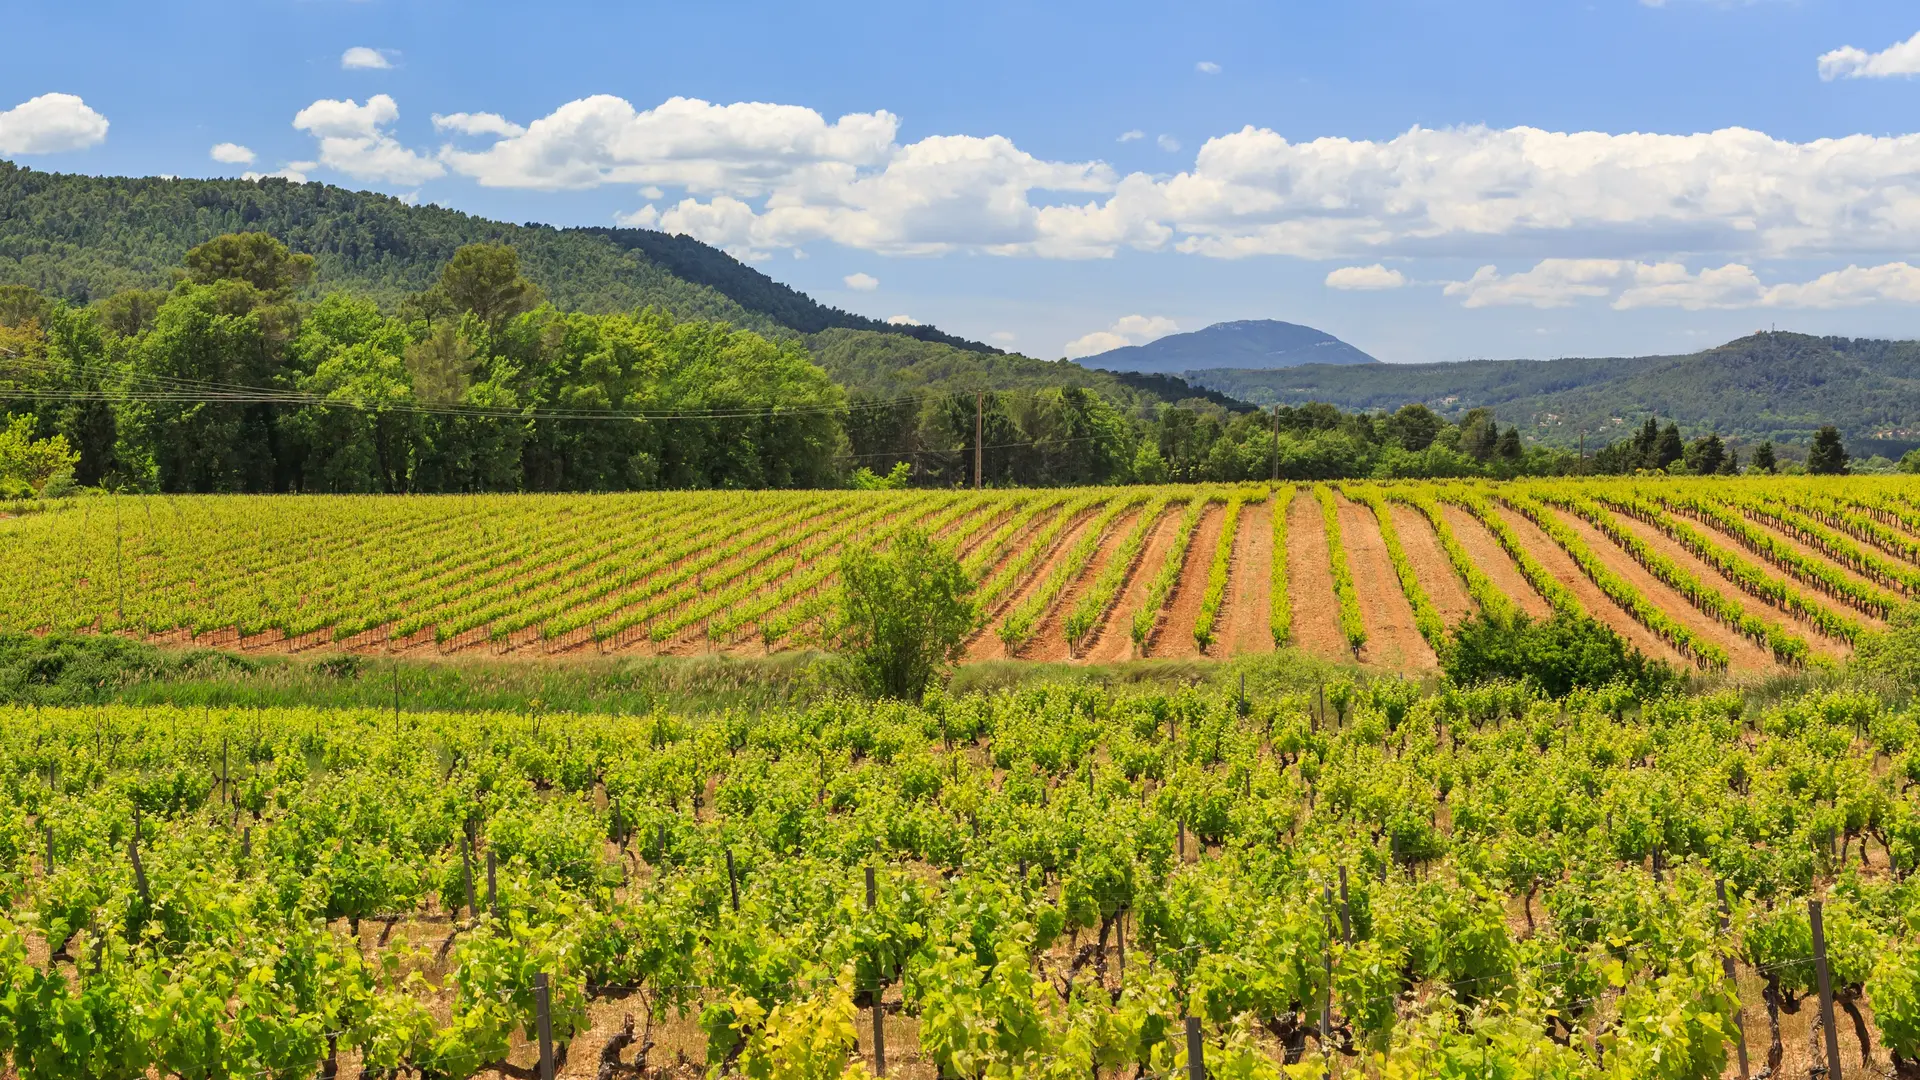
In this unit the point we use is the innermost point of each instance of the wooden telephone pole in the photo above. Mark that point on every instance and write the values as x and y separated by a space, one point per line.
1276 444
979 425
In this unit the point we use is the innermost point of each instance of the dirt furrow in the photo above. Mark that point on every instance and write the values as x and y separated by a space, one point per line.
1246 620
1789 540
1493 561
1175 637
1743 654
1392 640
1662 544
1727 541
1316 611
986 644
1430 565
1113 641
1598 604
1050 640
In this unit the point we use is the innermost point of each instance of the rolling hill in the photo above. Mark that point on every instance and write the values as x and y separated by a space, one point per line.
85 237
1249 344
1772 385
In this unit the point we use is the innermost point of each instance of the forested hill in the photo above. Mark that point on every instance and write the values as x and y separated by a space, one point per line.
81 238
1777 386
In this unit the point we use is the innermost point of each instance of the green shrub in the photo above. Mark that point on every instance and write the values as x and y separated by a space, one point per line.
1562 654
906 613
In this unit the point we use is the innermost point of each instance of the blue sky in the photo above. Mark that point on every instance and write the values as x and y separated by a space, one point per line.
1429 180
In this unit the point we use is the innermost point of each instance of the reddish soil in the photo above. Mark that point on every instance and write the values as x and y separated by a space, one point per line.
1316 611
1392 640
1246 619
693 640
1113 640
1842 607
1597 603
1175 635
986 644
1430 565
1742 652
1749 603
1815 553
1050 640
1493 561
1016 543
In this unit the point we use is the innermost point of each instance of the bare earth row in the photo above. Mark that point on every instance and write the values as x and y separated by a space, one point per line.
1746 575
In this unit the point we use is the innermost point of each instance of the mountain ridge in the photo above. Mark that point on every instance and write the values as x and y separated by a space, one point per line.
1248 344
1770 385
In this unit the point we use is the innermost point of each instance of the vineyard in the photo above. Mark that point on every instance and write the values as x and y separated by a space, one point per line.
1751 574
1345 878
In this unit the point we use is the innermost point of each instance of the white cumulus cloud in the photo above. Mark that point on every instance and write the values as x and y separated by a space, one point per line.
1849 62
1551 283
758 177
1126 330
354 140
1738 286
479 123
1207 67
1632 284
903 320
1365 277
1132 135
362 58
50 124
1168 143
227 153
744 148
861 282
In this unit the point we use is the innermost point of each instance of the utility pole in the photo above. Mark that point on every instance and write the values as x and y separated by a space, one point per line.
979 425
1276 444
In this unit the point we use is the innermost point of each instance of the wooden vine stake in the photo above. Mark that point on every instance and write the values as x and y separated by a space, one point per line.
1196 1051
543 1006
133 855
1739 1019
879 1010
1824 980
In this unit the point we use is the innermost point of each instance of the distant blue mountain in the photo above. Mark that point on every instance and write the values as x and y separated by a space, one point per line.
1248 345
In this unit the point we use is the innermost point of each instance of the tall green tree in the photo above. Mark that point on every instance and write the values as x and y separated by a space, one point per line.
1706 455
1826 456
1668 449
485 279
1763 459
255 258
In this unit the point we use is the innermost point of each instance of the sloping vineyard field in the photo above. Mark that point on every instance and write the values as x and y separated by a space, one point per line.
1743 574
1353 880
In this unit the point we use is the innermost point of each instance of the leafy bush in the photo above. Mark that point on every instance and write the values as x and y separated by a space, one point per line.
1562 654
1893 653
906 613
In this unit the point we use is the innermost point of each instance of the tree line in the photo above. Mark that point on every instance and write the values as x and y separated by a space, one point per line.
236 379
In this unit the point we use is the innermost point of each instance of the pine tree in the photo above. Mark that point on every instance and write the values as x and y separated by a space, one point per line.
1669 449
1644 442
1508 446
1763 457
1827 457
1707 455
